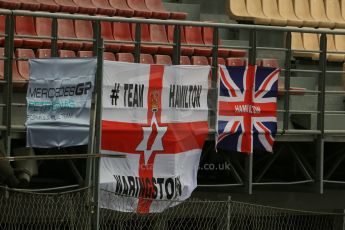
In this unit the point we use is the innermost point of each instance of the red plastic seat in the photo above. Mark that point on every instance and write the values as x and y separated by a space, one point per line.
194 37
66 30
122 9
140 8
235 62
83 30
158 34
25 25
43 28
23 65
66 54
269 63
207 33
146 59
103 7
17 41
109 56
85 6
67 6
49 5
43 53
9 4
237 53
221 61
178 15
199 60
163 60
185 60
157 8
125 57
15 75
85 54
185 50
107 35
29 5
145 37
122 32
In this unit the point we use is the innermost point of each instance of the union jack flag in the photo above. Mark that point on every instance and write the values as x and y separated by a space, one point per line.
247 108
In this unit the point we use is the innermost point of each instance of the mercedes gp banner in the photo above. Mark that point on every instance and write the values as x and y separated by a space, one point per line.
156 116
58 102
247 108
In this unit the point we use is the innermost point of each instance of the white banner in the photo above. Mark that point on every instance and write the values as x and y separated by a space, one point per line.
157 116
58 102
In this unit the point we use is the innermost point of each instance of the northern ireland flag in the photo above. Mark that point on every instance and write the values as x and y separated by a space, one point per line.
247 108
157 116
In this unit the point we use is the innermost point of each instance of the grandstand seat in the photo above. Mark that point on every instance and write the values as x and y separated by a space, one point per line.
49 5
108 56
146 59
237 10
103 7
235 62
16 77
43 53
302 10
107 35
9 4
122 32
185 50
145 37
207 34
43 28
25 25
29 5
66 54
333 12
125 57
318 12
85 54
332 57
66 30
221 61
157 8
269 63
122 9
339 41
83 30
287 11
194 37
311 42
23 65
270 9
199 60
297 44
85 6
163 60
254 8
17 41
342 6
185 60
140 8
67 6
158 34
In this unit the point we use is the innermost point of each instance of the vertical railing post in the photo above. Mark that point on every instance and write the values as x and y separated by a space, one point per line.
54 38
213 106
177 45
249 157
7 116
137 43
98 135
321 114
287 81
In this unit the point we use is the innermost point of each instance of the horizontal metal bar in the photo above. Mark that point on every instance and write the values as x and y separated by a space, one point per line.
32 36
304 71
334 92
43 189
19 104
297 111
335 112
300 91
233 47
218 185
170 22
60 157
272 48
285 183
335 72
